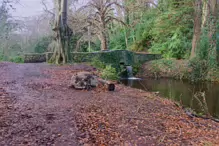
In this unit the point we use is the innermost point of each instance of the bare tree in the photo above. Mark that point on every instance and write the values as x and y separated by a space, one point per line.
83 31
100 17
7 24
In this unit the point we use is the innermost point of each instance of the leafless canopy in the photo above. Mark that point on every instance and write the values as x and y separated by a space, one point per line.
100 14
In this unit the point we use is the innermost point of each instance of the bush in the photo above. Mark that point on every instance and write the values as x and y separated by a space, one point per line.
117 40
97 63
42 44
1 57
136 68
199 70
167 68
109 73
203 46
17 59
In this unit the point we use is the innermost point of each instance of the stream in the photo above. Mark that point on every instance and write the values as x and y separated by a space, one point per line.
195 96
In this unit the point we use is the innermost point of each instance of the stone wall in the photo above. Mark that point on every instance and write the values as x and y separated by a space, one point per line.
34 58
113 57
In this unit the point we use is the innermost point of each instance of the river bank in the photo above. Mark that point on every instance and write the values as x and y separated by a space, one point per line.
194 70
44 111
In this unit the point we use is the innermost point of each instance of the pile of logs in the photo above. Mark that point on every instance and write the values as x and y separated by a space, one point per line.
88 80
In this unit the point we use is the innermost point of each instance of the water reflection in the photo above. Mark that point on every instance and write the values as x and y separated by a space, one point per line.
182 91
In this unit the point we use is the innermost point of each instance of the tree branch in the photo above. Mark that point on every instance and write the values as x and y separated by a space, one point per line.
46 9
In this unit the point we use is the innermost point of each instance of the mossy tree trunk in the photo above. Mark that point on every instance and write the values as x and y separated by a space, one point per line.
197 27
205 18
104 41
212 24
61 29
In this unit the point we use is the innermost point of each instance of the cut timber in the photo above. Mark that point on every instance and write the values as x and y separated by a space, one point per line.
84 80
110 85
88 80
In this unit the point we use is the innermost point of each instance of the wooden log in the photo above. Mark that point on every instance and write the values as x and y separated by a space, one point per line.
110 85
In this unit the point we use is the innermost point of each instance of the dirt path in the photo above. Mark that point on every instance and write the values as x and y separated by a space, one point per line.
41 115
38 108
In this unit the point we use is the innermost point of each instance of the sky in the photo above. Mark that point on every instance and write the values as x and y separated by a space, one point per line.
26 8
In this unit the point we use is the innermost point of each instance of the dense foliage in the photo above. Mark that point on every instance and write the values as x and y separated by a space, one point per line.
166 29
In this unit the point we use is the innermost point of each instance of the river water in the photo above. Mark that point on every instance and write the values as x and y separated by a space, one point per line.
196 96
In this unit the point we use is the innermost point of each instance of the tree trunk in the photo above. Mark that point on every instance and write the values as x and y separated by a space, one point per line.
89 39
212 53
205 12
77 48
197 27
61 53
103 35
103 40
127 21
205 17
126 38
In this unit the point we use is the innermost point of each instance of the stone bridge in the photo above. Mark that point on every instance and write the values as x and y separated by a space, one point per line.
113 57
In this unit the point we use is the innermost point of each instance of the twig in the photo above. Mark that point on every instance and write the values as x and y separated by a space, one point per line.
46 9
142 85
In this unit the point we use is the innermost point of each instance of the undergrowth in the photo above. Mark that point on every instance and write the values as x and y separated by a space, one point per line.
107 71
194 70
97 63
15 59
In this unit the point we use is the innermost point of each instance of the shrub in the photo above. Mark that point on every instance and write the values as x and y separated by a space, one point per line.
199 69
203 46
17 59
42 44
1 57
109 73
170 68
136 68
97 63
117 40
